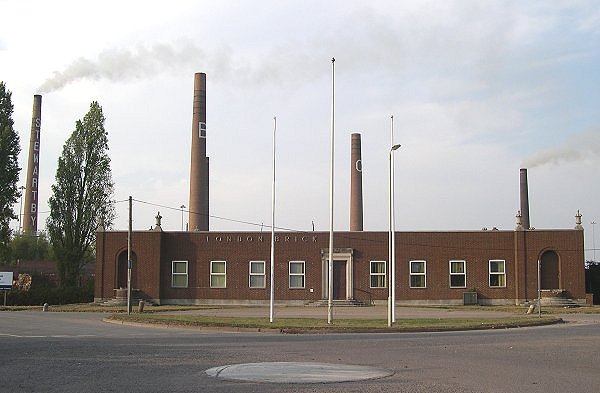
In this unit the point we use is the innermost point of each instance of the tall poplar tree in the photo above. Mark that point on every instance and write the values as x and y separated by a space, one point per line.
81 196
9 169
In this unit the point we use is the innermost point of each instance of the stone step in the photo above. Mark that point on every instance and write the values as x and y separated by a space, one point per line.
559 302
339 303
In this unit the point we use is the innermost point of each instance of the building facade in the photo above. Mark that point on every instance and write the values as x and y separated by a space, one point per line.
431 267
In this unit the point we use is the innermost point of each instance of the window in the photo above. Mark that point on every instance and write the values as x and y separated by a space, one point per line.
417 274
218 274
378 274
257 274
458 274
179 274
296 274
497 273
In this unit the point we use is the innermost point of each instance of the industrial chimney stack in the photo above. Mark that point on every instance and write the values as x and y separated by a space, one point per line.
30 211
524 197
198 206
356 198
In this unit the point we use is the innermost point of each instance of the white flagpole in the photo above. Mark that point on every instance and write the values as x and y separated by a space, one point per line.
390 234
330 272
393 218
272 301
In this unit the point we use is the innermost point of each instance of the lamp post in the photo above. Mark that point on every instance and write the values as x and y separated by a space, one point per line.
182 207
330 265
21 210
392 244
594 238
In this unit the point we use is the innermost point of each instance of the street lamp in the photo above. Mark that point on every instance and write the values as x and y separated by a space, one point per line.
330 265
392 245
594 238
21 210
182 207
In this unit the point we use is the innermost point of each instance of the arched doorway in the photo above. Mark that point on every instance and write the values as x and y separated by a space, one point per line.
549 270
122 269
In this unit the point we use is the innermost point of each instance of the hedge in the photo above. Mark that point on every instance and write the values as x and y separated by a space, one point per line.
39 296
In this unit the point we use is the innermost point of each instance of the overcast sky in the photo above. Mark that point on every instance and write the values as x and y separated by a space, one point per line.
477 89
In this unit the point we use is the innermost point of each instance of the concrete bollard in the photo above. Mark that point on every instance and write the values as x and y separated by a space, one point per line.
531 309
141 306
45 307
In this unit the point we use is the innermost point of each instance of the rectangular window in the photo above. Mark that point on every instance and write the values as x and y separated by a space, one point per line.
179 274
218 274
378 274
257 274
458 274
497 273
417 274
297 274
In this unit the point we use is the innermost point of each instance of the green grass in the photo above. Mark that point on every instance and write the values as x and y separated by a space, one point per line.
311 325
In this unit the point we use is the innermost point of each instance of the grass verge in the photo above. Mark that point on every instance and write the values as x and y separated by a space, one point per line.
309 325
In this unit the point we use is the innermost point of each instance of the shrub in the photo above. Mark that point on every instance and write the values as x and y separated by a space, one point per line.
46 294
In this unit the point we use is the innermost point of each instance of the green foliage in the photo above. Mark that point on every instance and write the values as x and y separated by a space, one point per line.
9 169
29 248
81 196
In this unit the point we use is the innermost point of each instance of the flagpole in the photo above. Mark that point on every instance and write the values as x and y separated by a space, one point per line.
272 299
330 266
393 219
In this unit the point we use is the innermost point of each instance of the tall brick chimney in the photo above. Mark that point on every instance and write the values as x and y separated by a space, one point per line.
356 198
524 198
198 206
30 210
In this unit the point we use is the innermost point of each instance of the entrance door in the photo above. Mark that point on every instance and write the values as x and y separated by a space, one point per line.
122 270
339 280
549 270
122 267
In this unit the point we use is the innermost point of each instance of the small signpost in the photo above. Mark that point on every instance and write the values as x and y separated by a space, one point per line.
6 282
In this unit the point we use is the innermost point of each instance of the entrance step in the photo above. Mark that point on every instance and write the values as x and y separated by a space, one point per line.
557 298
338 303
559 302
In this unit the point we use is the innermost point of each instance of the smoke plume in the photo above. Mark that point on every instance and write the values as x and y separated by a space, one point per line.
577 147
123 64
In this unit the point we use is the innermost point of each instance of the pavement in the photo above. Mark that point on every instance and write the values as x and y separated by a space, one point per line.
308 372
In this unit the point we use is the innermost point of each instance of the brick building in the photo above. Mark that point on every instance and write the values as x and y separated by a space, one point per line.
431 267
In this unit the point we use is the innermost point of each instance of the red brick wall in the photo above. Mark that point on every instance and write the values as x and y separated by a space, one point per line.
155 252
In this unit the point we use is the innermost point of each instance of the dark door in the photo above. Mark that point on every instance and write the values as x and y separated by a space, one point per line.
339 280
549 270
122 270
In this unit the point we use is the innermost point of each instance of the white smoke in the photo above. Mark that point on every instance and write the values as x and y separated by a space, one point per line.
123 64
577 147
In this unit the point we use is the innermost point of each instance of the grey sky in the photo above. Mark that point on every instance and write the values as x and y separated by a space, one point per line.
477 89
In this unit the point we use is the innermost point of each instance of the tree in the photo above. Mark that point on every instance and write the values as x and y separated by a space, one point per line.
25 247
81 196
9 169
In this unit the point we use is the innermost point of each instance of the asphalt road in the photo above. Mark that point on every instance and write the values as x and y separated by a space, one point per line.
77 352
